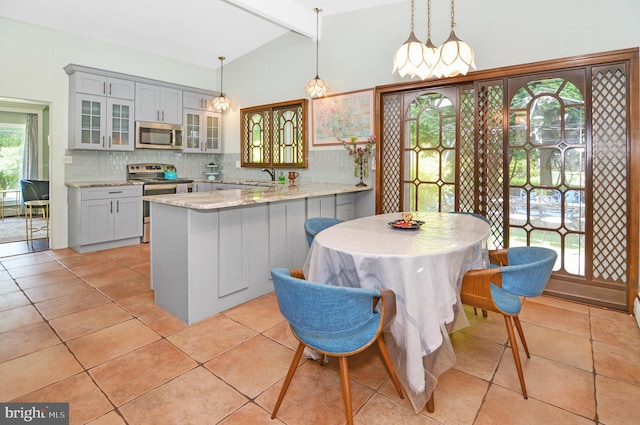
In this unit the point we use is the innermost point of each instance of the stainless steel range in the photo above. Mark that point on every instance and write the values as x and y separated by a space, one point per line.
158 179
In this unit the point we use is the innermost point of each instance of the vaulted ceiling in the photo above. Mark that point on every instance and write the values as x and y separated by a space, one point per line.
192 31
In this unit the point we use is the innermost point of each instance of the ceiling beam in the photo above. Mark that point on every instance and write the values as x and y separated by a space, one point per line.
284 13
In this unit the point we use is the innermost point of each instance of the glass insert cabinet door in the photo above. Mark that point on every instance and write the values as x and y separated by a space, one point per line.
192 129
121 123
92 123
212 132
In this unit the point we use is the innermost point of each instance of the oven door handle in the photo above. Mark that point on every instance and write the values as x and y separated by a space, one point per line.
152 187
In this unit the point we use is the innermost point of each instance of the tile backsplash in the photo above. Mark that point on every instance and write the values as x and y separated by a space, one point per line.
324 166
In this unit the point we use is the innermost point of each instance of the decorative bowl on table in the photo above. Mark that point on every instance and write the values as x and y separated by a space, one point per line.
406 225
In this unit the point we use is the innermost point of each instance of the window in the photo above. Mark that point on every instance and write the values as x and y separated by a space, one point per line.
274 135
12 138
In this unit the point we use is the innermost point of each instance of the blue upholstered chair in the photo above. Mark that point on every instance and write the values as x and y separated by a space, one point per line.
335 321
315 225
34 190
519 272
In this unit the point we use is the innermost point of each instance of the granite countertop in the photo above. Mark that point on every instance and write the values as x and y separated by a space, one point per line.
103 183
197 179
260 194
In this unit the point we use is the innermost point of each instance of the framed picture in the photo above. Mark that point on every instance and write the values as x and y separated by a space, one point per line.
343 116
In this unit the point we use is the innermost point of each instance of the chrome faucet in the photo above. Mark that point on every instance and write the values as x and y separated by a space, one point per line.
272 173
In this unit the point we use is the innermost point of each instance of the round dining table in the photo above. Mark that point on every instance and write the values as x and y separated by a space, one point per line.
424 266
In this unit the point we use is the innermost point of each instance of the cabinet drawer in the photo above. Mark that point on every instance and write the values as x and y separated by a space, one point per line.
344 198
111 192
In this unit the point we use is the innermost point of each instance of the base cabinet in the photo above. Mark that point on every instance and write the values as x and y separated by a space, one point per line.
207 261
104 217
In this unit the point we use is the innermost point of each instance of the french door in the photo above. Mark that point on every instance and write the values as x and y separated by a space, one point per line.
547 156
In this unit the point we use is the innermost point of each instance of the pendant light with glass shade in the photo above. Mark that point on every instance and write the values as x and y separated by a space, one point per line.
429 66
409 58
317 87
455 56
221 103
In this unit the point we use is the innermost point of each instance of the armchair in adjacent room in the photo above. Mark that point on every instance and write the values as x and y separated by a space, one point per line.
34 190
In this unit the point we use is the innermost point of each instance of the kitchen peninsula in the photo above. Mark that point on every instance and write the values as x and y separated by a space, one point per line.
211 251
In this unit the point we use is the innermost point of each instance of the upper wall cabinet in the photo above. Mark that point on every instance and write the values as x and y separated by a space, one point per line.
98 118
104 106
274 135
158 104
102 85
192 100
201 131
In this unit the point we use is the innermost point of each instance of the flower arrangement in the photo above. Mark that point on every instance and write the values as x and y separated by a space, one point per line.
360 155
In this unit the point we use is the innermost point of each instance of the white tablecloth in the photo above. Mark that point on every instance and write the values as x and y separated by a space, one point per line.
423 267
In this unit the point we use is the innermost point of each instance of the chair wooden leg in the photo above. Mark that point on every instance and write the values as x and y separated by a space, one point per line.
287 380
516 354
484 312
516 320
387 361
346 389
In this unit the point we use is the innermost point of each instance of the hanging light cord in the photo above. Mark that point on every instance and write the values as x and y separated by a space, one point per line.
428 19
317 39
453 24
221 74
413 8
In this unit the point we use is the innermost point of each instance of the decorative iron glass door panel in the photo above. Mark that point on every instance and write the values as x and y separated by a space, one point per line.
547 171
429 151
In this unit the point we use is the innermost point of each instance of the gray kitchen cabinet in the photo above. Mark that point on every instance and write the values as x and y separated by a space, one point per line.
289 246
339 206
201 187
321 206
102 85
101 112
192 100
104 217
101 123
158 104
244 234
201 131
344 206
208 260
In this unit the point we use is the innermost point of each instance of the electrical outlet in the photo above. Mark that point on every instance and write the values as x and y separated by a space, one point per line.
237 164
68 159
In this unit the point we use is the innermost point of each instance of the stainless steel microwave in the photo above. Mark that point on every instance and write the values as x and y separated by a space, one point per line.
153 135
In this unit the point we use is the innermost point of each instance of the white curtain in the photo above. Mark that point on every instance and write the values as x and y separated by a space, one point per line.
30 155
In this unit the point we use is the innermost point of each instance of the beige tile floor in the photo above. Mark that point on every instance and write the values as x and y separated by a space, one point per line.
84 329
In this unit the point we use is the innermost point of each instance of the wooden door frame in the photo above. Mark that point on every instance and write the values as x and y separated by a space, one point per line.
629 56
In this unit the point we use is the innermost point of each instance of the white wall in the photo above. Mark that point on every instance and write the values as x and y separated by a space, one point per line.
357 48
356 53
